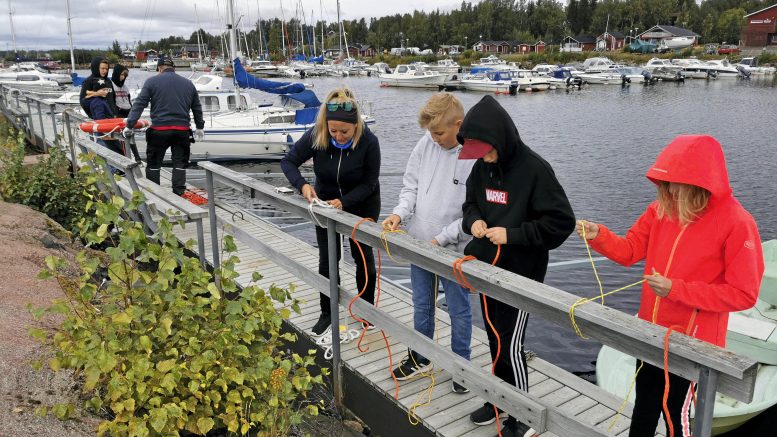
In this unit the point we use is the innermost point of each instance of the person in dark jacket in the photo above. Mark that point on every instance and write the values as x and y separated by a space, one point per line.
100 110
98 84
172 97
514 203
346 162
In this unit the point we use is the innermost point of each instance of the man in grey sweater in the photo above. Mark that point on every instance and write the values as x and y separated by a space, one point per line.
172 97
430 207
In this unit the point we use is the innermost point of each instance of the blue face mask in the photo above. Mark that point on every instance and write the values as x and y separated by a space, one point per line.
345 145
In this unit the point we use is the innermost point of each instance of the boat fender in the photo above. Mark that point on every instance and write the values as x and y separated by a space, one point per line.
712 74
108 125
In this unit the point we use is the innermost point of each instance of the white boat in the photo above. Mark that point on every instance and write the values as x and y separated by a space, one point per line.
695 69
750 66
409 75
676 43
498 82
752 333
261 66
724 69
617 76
528 80
664 65
149 65
445 66
378 68
598 65
492 62
544 69
29 80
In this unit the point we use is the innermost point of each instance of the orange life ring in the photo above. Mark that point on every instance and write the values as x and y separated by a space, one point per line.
109 125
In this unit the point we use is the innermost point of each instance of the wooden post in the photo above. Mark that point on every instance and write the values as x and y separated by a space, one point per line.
334 310
707 386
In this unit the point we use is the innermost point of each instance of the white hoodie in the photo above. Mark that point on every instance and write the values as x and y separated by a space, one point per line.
435 185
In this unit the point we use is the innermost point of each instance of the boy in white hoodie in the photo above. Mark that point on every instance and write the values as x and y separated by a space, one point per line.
430 207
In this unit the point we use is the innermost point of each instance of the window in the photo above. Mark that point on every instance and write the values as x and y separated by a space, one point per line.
231 102
209 103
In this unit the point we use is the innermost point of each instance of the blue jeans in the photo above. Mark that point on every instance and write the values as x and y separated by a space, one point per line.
423 283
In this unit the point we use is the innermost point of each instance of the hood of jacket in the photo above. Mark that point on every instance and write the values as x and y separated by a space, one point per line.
694 160
116 76
95 66
488 121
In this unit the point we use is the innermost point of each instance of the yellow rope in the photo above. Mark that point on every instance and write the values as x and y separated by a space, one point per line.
589 299
626 400
429 391
591 258
385 242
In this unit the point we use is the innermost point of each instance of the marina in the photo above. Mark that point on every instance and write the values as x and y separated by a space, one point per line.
559 402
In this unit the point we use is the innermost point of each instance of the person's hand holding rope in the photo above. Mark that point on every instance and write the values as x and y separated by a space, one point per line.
391 223
586 229
479 229
336 203
661 285
308 192
497 235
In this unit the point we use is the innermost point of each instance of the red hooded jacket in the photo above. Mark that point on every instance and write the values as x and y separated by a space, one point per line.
715 264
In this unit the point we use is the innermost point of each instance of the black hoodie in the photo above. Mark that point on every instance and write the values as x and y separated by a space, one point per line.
120 92
96 82
519 192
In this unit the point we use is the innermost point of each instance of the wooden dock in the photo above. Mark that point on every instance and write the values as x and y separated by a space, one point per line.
558 403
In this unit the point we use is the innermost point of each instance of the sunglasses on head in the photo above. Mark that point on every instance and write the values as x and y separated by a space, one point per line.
345 106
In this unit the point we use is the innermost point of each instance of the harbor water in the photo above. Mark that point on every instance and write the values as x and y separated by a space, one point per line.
600 141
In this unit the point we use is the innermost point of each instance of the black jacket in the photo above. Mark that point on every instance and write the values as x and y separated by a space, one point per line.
519 192
350 175
96 82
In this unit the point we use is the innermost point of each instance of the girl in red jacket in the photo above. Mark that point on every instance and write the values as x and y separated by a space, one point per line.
703 260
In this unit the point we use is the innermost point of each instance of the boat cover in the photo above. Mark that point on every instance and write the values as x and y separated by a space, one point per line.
246 80
77 80
316 59
640 46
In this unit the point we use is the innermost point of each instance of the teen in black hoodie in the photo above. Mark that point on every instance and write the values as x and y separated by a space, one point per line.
513 200
94 85
346 162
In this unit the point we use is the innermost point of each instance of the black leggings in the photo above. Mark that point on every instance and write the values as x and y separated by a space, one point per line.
648 404
361 275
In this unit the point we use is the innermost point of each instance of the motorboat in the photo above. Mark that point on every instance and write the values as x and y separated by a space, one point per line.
665 65
410 75
751 333
29 80
565 77
445 66
492 62
598 65
544 69
498 82
616 76
724 69
378 68
528 80
149 65
749 66
696 69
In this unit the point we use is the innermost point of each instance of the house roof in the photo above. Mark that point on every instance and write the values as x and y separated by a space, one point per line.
674 30
764 9
493 43
583 39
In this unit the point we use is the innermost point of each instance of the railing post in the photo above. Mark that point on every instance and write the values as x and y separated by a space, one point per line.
707 386
214 232
334 310
42 130
30 126
71 142
52 108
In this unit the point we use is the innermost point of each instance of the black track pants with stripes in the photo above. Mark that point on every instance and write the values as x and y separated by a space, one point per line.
510 323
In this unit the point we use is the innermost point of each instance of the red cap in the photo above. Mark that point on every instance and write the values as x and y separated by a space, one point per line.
474 149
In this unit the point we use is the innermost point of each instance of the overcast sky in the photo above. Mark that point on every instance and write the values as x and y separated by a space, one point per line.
42 24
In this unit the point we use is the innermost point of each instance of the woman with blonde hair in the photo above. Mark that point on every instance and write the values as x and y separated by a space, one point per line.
703 260
346 162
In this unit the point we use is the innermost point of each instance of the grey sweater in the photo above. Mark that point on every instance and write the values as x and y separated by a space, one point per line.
433 192
171 97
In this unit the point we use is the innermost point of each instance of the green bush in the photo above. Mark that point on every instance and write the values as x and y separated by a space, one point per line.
159 349
46 187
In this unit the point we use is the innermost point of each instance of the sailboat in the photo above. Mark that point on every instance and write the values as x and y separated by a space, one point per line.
751 333
236 128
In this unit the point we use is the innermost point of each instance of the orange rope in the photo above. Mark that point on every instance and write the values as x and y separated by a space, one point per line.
377 299
462 280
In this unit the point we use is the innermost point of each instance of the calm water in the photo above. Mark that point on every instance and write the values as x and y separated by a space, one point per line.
600 141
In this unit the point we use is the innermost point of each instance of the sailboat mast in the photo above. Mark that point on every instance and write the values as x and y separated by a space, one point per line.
199 40
283 32
321 8
13 33
70 37
235 55
340 25
313 34
259 26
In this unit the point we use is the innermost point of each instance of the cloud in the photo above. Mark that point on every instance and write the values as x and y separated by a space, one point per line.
42 24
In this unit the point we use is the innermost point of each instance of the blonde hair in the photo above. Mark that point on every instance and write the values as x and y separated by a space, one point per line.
442 109
320 132
685 204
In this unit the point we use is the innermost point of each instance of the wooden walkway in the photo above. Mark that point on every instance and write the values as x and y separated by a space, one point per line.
448 413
